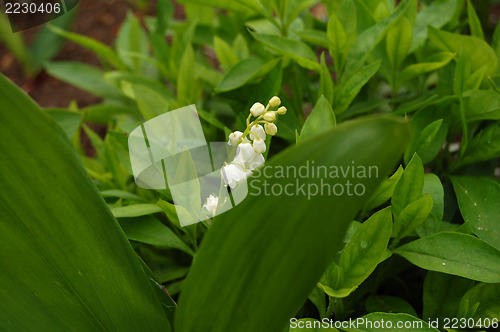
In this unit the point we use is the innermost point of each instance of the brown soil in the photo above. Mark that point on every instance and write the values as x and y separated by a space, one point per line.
96 19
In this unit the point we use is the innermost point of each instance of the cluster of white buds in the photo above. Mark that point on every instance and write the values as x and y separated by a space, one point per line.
250 144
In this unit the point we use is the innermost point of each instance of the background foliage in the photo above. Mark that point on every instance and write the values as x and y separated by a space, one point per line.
423 244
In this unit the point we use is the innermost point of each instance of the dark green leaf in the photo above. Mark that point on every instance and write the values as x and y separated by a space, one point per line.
384 191
454 253
345 93
361 256
150 230
135 210
99 48
433 187
484 146
476 50
245 71
412 216
481 302
320 120
294 49
409 187
68 120
264 254
478 199
389 304
442 294
474 22
368 39
63 255
85 77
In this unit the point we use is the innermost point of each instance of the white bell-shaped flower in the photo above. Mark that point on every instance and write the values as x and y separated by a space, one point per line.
211 204
234 138
233 174
259 146
259 131
247 157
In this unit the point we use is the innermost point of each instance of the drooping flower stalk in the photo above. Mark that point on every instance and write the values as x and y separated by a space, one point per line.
248 146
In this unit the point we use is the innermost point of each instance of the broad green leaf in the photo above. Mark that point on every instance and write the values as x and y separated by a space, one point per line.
399 38
484 146
434 62
320 120
68 120
428 141
240 47
386 303
368 39
478 199
135 210
267 253
245 71
474 81
474 22
361 256
63 255
150 103
294 49
463 70
347 91
318 298
315 37
437 14
481 105
295 7
332 279
337 42
409 187
122 194
433 187
225 54
481 302
478 52
384 191
95 46
442 294
132 39
454 253
85 77
412 216
326 82
310 324
150 230
372 323
186 77
164 11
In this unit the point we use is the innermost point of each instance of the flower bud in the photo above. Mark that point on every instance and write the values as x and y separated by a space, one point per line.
259 146
234 138
282 110
270 116
257 109
271 129
259 131
275 101
211 204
